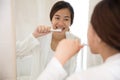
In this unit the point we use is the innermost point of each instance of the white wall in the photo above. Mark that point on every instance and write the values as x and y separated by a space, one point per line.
92 4
7 41
29 14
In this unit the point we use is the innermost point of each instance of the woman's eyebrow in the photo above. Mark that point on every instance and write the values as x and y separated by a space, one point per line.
65 16
57 15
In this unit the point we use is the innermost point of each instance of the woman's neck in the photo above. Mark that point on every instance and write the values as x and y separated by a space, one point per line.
107 52
55 40
57 37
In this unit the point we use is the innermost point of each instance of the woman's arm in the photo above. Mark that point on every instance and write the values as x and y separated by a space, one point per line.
25 46
65 50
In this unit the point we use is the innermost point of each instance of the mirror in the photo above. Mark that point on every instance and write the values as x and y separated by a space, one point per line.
29 14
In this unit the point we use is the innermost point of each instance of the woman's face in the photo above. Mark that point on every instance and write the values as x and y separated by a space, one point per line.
61 20
92 39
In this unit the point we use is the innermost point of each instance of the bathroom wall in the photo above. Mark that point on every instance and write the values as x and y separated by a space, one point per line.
7 41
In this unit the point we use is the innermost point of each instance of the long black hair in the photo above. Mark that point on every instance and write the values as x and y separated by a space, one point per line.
106 22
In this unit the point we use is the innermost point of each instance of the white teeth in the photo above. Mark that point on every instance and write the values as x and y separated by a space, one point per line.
55 30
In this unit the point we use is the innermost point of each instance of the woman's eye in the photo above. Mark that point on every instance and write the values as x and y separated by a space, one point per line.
57 18
66 19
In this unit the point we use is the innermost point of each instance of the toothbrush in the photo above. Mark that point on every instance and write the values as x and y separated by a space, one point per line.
85 44
55 30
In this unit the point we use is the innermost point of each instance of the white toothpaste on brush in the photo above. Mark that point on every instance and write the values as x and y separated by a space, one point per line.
55 30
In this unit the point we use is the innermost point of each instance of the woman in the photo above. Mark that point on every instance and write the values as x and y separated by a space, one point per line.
103 38
42 43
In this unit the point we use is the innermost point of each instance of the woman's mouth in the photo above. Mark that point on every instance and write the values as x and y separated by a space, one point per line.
62 28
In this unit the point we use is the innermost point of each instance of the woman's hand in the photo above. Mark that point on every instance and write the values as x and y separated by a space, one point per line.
66 49
41 30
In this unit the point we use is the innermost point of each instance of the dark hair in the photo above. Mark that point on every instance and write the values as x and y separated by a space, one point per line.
60 5
106 22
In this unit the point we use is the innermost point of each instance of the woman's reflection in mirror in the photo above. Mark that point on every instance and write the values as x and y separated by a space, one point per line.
43 42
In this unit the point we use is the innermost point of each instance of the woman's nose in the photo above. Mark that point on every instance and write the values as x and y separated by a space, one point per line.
61 23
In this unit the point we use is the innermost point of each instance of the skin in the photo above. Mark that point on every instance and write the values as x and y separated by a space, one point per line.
68 48
61 20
